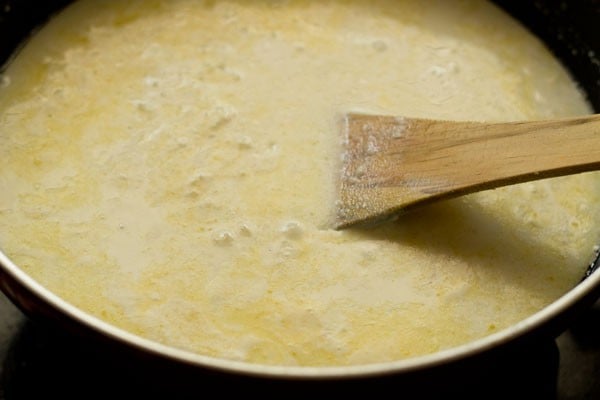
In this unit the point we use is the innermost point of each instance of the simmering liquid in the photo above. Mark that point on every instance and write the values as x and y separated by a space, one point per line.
169 167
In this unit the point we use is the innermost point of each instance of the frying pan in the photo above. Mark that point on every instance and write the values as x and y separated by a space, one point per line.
571 31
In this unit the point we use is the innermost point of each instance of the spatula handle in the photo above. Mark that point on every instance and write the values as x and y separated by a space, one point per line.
476 156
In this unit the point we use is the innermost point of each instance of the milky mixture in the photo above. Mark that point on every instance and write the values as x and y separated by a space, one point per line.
169 167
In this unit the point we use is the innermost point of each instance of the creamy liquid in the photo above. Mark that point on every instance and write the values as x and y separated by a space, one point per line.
169 167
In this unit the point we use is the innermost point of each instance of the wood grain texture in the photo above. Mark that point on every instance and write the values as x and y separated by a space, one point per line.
391 164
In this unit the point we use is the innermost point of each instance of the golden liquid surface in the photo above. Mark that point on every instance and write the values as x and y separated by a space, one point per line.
169 167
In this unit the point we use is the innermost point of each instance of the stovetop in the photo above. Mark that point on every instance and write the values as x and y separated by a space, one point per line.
37 361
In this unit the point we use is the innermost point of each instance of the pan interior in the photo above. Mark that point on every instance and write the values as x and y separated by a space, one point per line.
173 179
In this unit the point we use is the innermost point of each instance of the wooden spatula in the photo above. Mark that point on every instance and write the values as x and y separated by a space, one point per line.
391 164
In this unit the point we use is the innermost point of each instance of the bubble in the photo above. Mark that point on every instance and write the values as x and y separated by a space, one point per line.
223 238
245 230
292 230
